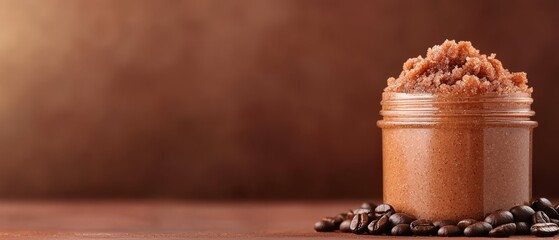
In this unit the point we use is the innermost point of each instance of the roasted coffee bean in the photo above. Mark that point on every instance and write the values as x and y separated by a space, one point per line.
333 221
368 205
383 209
400 218
465 223
540 217
478 229
369 212
379 226
522 213
349 214
324 226
401 230
345 226
499 218
359 223
551 212
505 230
540 203
383 219
544 229
522 228
442 223
342 216
361 210
449 231
422 227
338 219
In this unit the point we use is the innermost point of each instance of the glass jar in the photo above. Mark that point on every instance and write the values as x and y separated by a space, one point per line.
456 157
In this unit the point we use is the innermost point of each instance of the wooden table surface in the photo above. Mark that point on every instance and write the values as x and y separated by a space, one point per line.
169 220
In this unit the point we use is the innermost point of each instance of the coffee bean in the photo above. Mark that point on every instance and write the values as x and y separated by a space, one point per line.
540 217
442 223
379 226
522 228
478 229
361 210
342 216
333 220
522 213
551 212
465 223
324 226
345 226
540 203
544 229
368 205
449 231
383 219
422 227
499 218
348 215
383 209
369 212
401 230
400 218
489 213
359 223
338 219
505 230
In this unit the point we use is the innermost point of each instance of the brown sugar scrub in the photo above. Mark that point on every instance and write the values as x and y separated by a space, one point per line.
456 135
457 68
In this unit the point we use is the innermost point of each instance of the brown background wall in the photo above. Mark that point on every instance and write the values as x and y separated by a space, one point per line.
235 99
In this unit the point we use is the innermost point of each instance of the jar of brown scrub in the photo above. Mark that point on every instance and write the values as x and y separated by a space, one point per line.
456 135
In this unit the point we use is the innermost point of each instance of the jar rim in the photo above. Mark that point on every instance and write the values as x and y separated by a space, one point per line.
391 96
405 109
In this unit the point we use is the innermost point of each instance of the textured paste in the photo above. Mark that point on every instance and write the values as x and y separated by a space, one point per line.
457 68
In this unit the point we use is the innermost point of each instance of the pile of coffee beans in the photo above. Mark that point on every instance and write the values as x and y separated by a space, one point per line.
539 218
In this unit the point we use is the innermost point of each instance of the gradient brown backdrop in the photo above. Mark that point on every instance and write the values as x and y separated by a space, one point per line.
212 99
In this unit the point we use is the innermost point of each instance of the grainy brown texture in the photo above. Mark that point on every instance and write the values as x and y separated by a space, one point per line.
171 220
457 68
215 99
427 177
